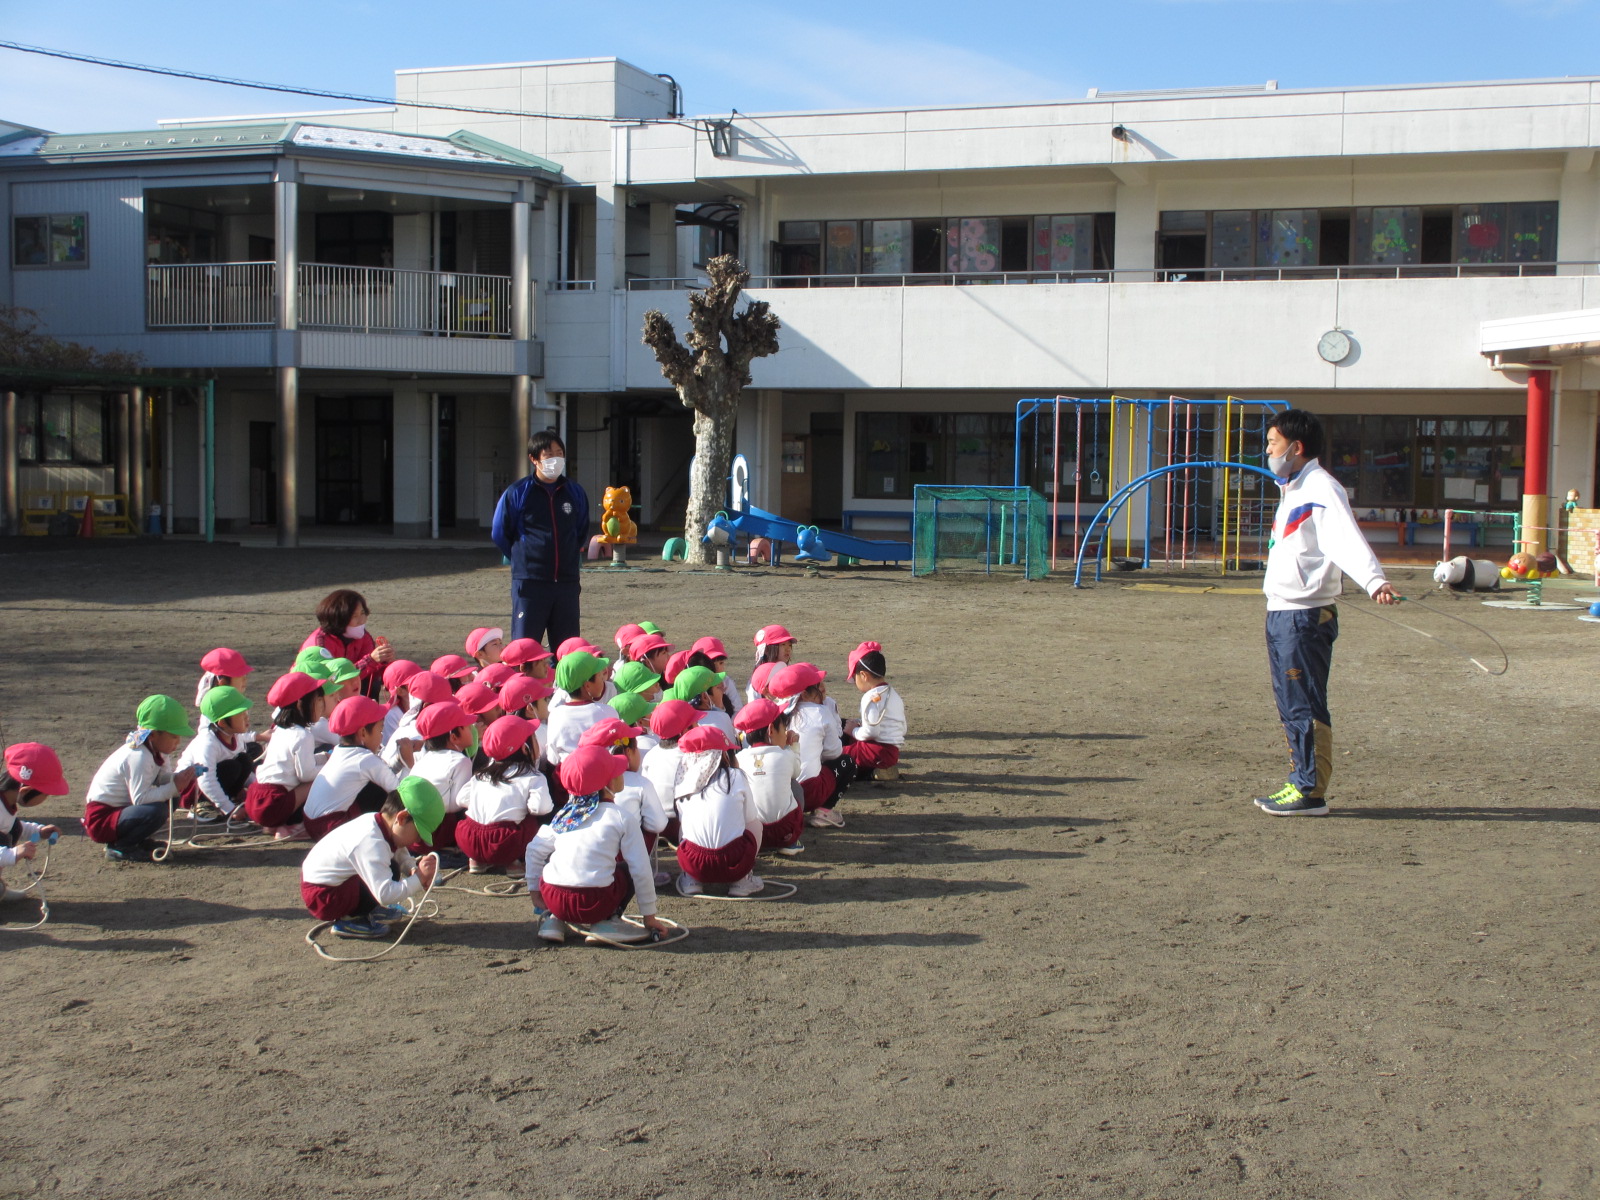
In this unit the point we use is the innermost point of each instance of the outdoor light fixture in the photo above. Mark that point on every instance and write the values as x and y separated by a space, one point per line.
1120 132
720 135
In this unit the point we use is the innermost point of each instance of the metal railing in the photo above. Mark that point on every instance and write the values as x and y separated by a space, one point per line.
210 295
383 300
1141 275
570 285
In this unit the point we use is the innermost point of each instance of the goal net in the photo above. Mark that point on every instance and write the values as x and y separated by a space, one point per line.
987 530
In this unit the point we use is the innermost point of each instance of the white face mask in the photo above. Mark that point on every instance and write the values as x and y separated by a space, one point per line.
1278 465
354 632
550 469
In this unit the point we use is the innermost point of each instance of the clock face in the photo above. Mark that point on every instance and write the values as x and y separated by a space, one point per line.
1334 346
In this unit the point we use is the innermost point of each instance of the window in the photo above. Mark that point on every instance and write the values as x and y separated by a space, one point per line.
63 427
1427 462
956 245
50 240
897 451
175 233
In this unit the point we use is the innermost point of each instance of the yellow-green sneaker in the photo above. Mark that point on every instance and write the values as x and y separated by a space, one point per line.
1292 802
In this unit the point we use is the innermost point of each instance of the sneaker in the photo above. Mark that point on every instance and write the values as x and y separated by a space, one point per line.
361 927
662 879
817 821
748 886
616 930
452 860
206 813
7 893
131 854
1287 792
389 912
791 851
688 885
829 816
291 833
474 867
1292 802
553 929
888 774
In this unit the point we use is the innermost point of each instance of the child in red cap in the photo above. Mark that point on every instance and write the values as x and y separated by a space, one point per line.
670 720
800 689
31 772
589 861
131 795
874 741
221 667
527 656
485 646
397 677
773 773
447 733
400 748
276 800
354 780
637 797
717 818
505 798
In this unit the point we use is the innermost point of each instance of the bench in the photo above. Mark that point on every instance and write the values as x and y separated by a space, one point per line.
847 519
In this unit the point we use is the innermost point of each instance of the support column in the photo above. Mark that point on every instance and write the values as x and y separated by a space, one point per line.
286 245
10 509
136 459
521 402
124 436
1536 475
610 237
288 456
521 271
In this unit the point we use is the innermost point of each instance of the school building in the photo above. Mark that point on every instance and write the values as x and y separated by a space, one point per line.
386 300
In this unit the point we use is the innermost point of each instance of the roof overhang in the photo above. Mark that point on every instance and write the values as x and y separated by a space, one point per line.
1545 338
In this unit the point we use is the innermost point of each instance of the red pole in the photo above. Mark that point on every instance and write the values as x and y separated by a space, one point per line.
1077 476
1536 476
1055 487
1172 412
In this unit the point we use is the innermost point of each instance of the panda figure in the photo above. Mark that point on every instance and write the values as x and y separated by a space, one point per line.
1463 574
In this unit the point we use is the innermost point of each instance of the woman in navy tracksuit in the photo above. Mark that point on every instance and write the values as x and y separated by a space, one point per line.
542 525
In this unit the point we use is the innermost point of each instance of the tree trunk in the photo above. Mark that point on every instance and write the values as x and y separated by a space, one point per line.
708 480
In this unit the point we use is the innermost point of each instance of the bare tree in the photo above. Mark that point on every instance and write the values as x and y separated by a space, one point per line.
709 374
25 353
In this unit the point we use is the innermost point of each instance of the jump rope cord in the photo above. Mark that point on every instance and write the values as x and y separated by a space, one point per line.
1505 659
417 911
35 878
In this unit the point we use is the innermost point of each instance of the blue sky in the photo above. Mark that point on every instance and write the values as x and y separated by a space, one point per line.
825 54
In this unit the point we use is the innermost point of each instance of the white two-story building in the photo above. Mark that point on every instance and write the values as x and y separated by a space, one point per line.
931 267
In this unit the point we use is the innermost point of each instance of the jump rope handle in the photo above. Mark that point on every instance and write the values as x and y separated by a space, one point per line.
33 836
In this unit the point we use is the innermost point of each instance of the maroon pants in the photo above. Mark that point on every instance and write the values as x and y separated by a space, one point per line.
499 844
321 827
268 805
872 755
585 906
725 864
820 790
444 837
785 831
335 902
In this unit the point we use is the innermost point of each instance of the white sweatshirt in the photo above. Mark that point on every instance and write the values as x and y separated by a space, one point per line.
447 770
660 767
9 821
640 800
772 773
512 802
348 770
405 730
1315 537
721 812
205 753
586 857
131 776
567 724
290 759
883 717
358 847
719 719
819 737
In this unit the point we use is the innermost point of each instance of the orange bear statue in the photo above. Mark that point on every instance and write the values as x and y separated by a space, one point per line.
616 527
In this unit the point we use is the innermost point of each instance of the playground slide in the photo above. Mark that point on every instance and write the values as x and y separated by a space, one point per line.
759 523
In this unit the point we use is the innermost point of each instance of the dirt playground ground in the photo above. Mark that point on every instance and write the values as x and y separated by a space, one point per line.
1064 957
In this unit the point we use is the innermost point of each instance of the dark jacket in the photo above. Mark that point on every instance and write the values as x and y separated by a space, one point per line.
543 528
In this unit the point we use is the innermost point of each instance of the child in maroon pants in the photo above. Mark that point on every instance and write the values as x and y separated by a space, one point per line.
506 798
718 821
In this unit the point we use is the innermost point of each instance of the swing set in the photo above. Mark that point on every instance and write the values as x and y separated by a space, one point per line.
1202 462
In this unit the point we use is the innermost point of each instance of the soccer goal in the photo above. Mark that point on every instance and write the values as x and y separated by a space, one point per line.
992 530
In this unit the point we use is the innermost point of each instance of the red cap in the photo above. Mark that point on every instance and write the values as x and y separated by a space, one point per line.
627 635
453 666
676 665
223 661
772 635
522 651
34 765
588 769
399 674
495 675
608 733
705 737
429 688
758 714
671 717
439 719
290 688
858 654
477 638
794 679
573 644
647 644
761 677
352 715
522 691
506 736
711 647
477 699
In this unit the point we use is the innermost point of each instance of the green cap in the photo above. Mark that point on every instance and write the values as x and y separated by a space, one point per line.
577 668
650 627
220 703
164 715
342 670
631 707
423 802
634 677
694 682
313 662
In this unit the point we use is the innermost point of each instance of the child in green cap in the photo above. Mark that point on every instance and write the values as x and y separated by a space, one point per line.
223 755
583 677
360 872
132 793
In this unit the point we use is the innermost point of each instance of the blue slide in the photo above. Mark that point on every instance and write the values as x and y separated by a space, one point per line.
759 523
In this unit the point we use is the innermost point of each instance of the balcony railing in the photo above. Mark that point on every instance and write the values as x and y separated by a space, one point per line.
210 295
1140 275
367 299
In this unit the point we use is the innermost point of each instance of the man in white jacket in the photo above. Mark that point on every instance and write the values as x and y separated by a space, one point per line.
1315 542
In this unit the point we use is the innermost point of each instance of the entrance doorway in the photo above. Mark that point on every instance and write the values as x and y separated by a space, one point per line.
263 472
355 460
827 468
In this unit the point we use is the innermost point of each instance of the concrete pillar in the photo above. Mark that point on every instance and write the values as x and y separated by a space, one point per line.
288 456
136 458
286 234
521 270
1137 215
521 417
10 508
413 417
1536 476
610 237
663 241
121 422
